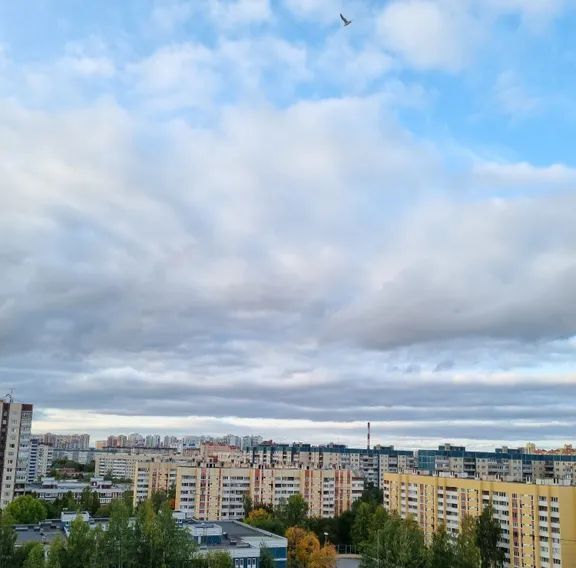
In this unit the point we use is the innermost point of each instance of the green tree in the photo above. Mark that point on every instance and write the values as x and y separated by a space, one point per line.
342 531
360 530
372 495
116 546
265 520
35 557
80 547
247 503
159 498
56 554
27 510
218 559
293 512
7 541
158 541
400 544
488 534
467 553
442 550
266 558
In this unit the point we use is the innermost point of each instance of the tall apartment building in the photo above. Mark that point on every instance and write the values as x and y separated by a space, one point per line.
40 459
370 463
16 422
218 492
538 520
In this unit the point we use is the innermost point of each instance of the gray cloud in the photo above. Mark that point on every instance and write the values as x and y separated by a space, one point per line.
314 263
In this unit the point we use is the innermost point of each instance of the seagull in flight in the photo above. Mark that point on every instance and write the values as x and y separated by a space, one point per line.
346 21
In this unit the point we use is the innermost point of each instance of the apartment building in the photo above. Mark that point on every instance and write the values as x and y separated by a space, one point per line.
508 464
120 465
218 492
538 520
16 422
65 441
370 463
40 459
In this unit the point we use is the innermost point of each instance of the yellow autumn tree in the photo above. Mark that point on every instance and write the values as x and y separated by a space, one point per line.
324 557
304 550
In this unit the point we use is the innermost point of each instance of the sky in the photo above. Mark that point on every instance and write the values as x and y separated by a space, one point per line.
240 216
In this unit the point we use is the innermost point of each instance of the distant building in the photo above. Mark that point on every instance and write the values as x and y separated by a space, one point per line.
65 441
40 459
50 489
370 463
15 426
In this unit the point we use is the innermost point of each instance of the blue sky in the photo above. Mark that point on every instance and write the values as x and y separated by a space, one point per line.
238 215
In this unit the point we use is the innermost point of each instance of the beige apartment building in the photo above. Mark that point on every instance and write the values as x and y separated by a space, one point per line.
538 520
217 493
15 426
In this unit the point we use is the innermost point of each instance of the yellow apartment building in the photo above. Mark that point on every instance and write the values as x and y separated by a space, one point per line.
538 520
217 493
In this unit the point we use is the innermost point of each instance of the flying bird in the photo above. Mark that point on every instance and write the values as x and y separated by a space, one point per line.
346 21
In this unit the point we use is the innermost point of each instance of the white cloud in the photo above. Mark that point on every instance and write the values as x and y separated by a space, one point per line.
229 14
524 175
428 34
512 97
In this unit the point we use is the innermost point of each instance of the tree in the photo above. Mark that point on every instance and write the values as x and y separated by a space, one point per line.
293 512
56 554
302 544
35 557
372 495
488 534
400 543
116 545
27 510
266 558
442 550
7 541
360 531
247 503
467 553
324 557
217 559
158 541
80 546
263 519
158 499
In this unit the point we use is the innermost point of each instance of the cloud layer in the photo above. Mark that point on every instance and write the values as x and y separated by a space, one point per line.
218 233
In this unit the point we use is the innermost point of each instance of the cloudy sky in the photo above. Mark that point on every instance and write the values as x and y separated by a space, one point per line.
237 215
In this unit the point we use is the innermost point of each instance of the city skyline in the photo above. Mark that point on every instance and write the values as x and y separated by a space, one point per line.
240 215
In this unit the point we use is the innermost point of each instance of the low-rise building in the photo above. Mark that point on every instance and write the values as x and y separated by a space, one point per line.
50 489
242 542
538 520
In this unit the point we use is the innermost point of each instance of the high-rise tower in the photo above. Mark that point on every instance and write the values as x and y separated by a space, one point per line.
15 426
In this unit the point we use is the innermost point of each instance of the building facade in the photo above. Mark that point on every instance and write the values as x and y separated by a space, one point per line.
40 460
370 463
507 464
50 489
15 426
208 492
538 520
